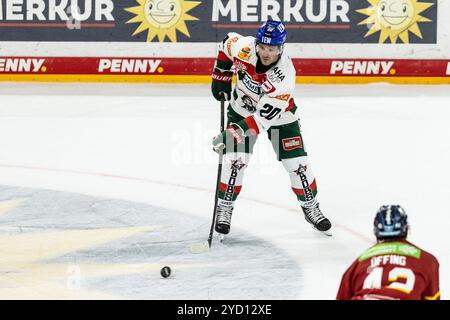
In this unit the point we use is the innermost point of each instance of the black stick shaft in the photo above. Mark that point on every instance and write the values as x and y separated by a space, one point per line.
219 173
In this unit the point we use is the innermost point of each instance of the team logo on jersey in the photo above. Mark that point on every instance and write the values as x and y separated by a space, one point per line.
244 54
291 144
276 75
248 104
394 18
162 18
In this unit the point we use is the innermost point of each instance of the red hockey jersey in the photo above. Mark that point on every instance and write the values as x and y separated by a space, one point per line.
392 270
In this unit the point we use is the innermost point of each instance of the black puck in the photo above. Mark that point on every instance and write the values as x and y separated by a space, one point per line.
165 272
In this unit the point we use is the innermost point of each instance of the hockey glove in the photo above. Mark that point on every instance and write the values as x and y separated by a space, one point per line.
222 76
230 136
221 84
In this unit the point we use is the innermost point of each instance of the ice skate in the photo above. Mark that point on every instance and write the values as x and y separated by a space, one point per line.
223 220
318 221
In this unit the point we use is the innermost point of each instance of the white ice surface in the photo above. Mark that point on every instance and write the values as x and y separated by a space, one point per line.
369 145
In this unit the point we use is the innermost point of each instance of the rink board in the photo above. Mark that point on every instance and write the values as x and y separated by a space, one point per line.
198 70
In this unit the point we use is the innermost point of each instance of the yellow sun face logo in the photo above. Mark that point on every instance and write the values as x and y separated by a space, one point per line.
394 18
162 18
162 14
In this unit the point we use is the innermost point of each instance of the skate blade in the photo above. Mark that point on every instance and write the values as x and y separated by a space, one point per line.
221 237
199 247
328 232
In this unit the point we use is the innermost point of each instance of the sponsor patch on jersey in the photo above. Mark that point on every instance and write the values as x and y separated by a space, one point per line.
268 87
284 97
230 43
251 85
240 65
244 54
276 76
292 143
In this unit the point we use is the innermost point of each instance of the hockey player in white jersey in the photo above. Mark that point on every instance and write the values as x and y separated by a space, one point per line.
260 101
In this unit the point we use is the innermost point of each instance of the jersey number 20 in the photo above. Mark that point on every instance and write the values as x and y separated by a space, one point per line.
269 112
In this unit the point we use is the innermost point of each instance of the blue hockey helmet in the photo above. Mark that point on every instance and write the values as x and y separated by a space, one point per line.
272 33
390 222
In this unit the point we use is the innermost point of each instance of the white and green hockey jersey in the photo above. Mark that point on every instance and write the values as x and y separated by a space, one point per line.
265 96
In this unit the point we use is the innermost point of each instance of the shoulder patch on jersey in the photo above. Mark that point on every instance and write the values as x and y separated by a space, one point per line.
244 54
230 43
284 97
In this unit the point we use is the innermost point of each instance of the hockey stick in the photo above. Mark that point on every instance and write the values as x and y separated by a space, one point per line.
219 170
202 247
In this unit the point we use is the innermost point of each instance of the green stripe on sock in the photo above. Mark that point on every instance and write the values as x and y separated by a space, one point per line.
303 198
222 196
